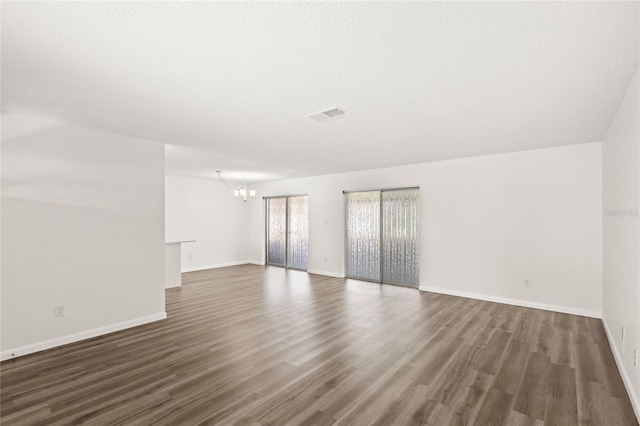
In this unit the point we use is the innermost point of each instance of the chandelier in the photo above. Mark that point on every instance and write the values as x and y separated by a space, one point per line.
241 192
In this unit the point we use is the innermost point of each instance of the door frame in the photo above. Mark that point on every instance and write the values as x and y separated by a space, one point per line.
381 224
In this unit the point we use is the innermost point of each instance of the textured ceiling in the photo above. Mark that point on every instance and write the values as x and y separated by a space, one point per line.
227 85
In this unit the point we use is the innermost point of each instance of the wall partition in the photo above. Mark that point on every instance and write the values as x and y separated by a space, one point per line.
287 232
382 235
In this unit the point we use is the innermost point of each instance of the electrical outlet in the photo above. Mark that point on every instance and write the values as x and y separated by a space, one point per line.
622 333
527 283
635 358
59 311
189 257
325 260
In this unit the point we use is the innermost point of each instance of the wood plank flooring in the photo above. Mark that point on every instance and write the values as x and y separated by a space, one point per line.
252 345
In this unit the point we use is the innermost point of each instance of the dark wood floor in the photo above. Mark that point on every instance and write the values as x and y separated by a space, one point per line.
263 346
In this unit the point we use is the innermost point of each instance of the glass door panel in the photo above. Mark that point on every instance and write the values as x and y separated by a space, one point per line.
400 237
298 226
363 235
276 231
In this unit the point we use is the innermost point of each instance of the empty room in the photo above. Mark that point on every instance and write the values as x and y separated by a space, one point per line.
320 213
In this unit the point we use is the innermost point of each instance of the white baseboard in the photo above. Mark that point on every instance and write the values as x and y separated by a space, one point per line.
253 262
523 303
623 373
325 273
218 265
71 338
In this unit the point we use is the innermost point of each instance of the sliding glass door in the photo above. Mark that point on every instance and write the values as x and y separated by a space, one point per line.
288 231
382 236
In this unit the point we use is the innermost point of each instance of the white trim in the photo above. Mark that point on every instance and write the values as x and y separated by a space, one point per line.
625 377
71 338
253 262
325 273
219 265
545 307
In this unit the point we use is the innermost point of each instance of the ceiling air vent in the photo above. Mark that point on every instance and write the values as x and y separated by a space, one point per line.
328 114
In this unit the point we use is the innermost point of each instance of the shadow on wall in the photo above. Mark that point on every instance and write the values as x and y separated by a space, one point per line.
49 162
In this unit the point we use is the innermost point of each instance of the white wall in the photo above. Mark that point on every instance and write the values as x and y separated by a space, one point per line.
205 210
83 226
488 223
621 236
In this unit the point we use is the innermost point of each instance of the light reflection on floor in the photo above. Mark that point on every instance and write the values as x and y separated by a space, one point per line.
282 287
